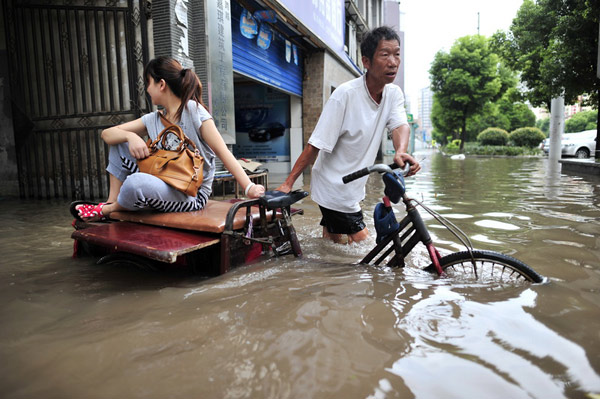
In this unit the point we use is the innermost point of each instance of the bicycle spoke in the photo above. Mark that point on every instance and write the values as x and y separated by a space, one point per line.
485 270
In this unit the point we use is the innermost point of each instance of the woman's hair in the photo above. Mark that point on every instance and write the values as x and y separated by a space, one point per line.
183 82
372 38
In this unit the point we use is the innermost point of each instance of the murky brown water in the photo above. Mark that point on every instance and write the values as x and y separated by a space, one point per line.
319 327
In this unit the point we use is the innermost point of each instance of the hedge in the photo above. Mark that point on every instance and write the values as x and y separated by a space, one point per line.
527 137
493 136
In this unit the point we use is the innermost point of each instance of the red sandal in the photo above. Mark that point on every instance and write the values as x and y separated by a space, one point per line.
88 211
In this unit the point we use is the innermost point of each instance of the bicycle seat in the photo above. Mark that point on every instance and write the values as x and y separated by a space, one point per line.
277 199
394 186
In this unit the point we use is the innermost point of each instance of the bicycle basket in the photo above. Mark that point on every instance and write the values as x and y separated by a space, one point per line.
385 221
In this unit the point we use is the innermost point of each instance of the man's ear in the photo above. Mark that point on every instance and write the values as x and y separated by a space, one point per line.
366 62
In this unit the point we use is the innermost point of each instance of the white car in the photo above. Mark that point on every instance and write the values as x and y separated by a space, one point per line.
580 145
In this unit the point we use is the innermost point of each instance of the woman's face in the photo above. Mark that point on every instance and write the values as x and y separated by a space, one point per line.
155 90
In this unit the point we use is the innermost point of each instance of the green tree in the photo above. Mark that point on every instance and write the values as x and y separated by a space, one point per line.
463 81
521 116
585 120
446 122
508 112
489 117
554 45
543 125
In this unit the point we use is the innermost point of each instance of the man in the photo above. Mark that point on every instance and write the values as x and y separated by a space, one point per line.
348 136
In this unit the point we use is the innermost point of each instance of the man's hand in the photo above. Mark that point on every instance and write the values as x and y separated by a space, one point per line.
401 158
307 158
137 146
284 188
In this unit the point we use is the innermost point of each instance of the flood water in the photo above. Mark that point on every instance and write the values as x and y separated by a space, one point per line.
321 326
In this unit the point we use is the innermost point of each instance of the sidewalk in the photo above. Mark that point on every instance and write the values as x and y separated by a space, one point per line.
583 166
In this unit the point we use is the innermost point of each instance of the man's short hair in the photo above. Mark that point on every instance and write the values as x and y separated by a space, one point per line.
372 38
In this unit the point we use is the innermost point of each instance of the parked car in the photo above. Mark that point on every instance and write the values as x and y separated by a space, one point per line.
545 145
580 145
268 132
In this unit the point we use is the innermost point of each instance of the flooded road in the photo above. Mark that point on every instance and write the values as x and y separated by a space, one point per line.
321 326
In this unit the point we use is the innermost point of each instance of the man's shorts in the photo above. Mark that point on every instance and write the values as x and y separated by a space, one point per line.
342 223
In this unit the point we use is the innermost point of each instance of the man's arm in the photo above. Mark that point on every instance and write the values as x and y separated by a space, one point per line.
308 157
400 138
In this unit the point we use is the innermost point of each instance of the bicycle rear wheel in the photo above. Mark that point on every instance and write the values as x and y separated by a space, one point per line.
487 266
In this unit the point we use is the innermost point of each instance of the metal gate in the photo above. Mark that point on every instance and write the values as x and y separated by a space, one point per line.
76 68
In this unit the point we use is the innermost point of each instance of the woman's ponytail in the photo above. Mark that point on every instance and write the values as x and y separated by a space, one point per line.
191 89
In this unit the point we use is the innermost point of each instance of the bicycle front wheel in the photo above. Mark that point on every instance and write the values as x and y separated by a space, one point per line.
487 266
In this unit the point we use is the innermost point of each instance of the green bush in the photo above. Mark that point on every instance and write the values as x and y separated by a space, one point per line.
493 136
527 137
454 145
472 149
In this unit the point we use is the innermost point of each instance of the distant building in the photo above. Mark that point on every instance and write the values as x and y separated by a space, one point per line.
391 18
425 106
570 109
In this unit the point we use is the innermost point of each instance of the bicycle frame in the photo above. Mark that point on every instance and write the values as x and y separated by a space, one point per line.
401 238
413 231
413 223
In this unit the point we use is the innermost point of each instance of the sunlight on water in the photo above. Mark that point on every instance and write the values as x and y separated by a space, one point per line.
494 224
483 238
512 360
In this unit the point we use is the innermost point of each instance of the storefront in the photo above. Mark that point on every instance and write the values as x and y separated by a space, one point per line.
268 72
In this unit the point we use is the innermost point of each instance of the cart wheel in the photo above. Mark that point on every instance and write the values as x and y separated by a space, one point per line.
128 259
294 241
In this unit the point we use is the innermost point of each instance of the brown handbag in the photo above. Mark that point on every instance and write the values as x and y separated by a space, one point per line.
181 168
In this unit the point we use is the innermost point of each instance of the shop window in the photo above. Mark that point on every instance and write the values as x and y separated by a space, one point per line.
350 44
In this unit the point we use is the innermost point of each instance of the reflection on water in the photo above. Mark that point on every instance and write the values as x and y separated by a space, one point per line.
320 326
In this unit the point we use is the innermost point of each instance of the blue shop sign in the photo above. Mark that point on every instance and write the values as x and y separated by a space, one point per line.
268 57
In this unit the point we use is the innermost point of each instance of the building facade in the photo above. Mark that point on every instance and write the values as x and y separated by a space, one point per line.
424 132
71 68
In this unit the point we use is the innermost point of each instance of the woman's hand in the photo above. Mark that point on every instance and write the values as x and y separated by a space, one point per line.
257 190
137 146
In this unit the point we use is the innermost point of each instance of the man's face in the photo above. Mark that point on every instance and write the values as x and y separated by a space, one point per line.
385 62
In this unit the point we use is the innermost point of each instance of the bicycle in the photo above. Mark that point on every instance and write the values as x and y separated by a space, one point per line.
401 237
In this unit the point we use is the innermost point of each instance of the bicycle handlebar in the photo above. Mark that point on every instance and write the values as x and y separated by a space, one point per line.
378 167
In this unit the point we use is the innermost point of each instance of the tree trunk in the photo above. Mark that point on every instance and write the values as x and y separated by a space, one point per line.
598 138
463 135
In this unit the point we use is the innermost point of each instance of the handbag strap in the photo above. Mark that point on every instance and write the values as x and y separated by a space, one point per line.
174 129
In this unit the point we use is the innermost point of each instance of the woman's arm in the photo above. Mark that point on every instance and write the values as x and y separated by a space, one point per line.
213 138
130 132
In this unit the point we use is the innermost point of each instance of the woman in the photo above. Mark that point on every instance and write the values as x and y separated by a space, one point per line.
179 91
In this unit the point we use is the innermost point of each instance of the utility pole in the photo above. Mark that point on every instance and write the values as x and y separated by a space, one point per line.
598 120
557 126
478 22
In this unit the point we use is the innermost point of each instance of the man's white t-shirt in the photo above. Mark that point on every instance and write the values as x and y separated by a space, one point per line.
348 135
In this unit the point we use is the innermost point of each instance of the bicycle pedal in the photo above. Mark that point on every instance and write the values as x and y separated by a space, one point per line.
283 249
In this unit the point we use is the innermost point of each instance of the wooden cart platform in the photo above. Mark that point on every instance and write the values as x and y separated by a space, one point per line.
224 231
